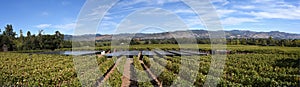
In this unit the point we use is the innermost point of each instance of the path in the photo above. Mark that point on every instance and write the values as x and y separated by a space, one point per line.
158 84
126 73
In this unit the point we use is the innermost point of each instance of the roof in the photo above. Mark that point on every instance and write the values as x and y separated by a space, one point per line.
163 52
148 53
193 52
116 53
180 53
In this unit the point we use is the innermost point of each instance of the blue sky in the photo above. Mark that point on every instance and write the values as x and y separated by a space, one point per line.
52 15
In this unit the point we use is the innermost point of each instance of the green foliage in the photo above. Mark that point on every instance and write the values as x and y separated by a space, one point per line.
142 76
240 70
31 42
8 37
146 61
105 66
37 70
116 79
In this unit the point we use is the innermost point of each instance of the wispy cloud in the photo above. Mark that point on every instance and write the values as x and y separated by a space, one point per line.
222 2
43 26
45 13
237 13
276 10
283 14
265 1
231 12
224 12
59 26
244 7
69 26
186 11
65 3
235 20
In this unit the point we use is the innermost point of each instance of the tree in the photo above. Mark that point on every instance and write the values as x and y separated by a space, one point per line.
244 41
59 38
264 42
271 41
282 43
21 36
296 43
287 43
20 42
238 42
31 42
40 39
8 37
9 31
134 42
1 40
28 34
28 44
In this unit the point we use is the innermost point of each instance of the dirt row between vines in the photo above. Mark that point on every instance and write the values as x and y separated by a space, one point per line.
127 78
152 75
126 73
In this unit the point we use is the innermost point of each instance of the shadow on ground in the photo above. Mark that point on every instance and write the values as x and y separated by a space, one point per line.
288 63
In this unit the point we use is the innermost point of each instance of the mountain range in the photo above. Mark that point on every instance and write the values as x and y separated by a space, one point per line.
187 34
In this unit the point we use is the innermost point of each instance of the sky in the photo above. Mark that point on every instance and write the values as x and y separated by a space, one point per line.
63 15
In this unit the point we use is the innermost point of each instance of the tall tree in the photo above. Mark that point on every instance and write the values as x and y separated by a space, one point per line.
1 40
9 37
296 43
58 39
28 41
9 31
271 41
244 41
20 42
21 35
28 34
40 39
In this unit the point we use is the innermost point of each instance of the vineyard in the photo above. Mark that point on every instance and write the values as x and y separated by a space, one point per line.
275 67
37 70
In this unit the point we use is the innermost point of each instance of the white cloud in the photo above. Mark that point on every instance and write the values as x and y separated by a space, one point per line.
235 21
290 13
98 10
259 10
195 22
45 13
265 9
161 2
265 1
231 12
65 26
153 11
145 2
60 26
246 7
223 2
187 11
65 3
126 3
223 12
42 26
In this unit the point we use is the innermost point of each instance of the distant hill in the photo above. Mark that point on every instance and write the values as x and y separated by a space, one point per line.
252 34
186 34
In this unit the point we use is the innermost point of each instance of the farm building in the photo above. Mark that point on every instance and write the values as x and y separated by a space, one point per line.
163 53
148 53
